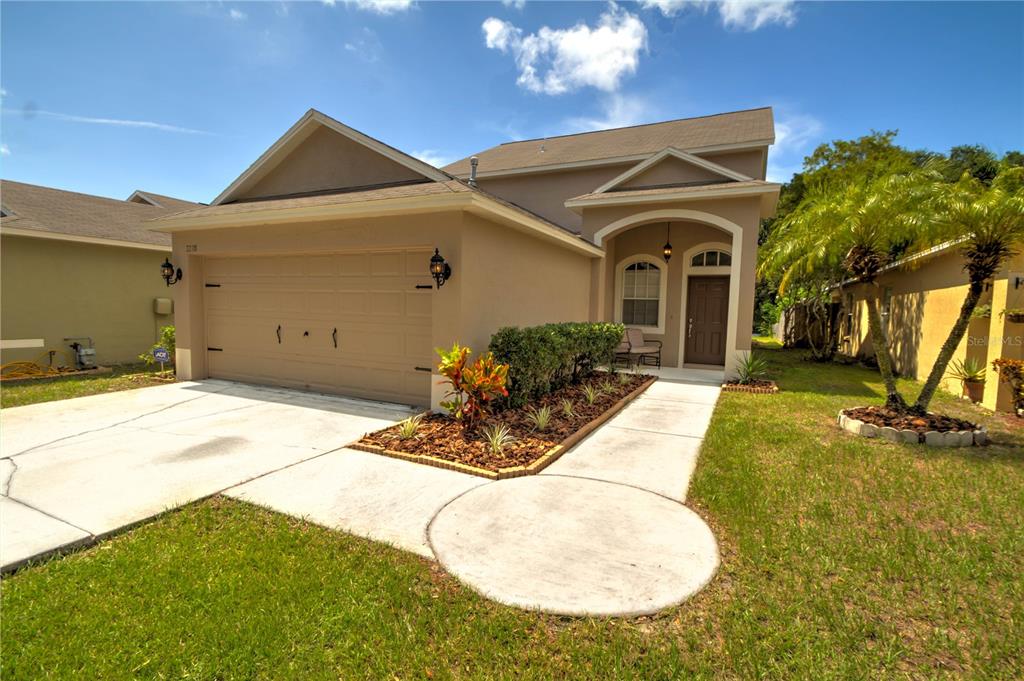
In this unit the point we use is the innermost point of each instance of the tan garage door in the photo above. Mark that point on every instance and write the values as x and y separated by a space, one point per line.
352 324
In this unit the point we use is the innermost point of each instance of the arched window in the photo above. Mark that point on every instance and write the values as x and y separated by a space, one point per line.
711 258
642 294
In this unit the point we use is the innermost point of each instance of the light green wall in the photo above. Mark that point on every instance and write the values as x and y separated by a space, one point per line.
53 289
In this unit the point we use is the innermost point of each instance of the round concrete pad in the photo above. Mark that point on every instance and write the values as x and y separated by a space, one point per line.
574 546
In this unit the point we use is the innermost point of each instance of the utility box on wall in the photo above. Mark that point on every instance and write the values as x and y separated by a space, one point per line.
163 305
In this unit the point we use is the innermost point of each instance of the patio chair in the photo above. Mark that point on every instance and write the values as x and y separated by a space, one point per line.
643 351
622 351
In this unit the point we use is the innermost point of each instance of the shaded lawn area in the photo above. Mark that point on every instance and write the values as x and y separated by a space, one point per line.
842 558
123 377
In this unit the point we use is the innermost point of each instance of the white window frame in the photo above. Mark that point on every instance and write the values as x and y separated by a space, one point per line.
620 273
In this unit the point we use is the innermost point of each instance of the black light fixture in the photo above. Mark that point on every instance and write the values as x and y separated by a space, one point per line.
170 273
667 248
439 269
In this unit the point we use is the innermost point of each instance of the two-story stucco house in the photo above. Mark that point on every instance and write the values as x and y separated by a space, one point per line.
313 268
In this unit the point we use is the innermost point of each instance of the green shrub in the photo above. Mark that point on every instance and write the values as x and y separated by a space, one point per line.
542 359
166 341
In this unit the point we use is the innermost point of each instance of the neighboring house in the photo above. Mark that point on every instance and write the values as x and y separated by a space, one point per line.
311 269
920 299
75 265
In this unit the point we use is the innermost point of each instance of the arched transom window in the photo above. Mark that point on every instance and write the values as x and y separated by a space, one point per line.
641 294
711 258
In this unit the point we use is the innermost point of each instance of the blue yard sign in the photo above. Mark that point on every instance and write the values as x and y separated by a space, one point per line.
161 355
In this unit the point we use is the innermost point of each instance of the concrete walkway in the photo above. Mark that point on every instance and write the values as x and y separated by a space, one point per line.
602 531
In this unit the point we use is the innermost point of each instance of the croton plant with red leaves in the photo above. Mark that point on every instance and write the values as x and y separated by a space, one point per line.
471 386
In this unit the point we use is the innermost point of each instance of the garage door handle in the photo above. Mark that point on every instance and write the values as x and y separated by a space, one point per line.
278 334
334 336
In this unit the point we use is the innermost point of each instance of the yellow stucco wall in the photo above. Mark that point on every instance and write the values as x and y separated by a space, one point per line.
925 302
56 289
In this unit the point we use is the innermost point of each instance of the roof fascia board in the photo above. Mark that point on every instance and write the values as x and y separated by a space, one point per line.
97 241
613 160
618 200
660 156
302 129
145 197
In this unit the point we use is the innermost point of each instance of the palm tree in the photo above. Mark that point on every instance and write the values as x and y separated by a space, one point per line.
852 232
985 222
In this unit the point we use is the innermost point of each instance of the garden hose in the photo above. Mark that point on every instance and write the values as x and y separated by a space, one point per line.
35 369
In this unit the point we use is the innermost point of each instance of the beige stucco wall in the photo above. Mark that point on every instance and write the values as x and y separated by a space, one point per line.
56 289
546 193
741 214
500 276
648 240
926 301
328 160
751 163
671 170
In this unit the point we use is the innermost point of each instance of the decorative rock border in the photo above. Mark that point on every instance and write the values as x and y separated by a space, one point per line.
933 438
539 464
756 389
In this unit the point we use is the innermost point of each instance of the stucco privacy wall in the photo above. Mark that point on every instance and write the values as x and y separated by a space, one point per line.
500 276
925 300
326 160
648 240
743 213
56 289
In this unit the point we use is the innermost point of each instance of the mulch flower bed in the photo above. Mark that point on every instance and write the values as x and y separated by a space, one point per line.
756 386
882 417
442 437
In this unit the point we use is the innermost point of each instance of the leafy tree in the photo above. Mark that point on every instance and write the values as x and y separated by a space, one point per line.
850 231
973 159
987 222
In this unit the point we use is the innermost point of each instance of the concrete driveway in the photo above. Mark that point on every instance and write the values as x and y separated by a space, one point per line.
75 470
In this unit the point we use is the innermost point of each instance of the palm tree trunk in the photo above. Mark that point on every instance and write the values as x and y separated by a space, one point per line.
893 399
956 334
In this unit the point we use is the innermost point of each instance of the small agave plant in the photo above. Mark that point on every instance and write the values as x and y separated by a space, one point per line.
590 393
607 386
498 436
407 428
623 379
568 408
540 419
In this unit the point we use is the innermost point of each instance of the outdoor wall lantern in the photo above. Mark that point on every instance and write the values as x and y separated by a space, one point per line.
667 248
439 269
169 272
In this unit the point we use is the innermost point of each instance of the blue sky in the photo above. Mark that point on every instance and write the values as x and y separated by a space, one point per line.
179 98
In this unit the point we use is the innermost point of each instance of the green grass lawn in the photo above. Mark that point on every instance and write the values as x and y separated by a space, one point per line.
842 558
124 377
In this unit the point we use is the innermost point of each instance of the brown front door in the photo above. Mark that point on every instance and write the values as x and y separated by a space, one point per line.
707 313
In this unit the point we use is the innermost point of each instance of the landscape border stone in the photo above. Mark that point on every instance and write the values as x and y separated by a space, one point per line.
933 438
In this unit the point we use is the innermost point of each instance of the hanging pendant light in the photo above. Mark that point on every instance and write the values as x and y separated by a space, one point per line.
667 248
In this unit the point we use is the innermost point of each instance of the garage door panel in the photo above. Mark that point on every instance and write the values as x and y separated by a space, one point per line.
383 322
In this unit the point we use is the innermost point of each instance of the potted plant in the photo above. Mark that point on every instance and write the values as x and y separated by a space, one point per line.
1014 314
982 312
971 374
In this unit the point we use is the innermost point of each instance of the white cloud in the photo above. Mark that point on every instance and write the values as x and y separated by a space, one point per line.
744 15
617 111
118 122
433 157
556 61
385 7
5 150
795 136
747 15
3 92
514 4
237 14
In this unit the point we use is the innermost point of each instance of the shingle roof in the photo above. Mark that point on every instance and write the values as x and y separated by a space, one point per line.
325 199
56 211
738 127
163 201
